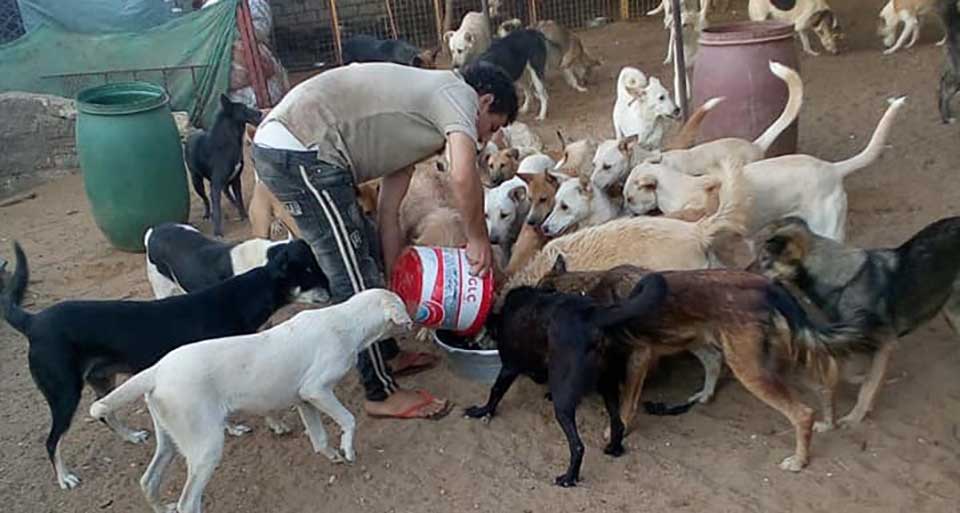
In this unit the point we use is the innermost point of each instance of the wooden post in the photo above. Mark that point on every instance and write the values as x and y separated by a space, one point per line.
335 20
679 60
624 10
251 53
439 19
485 8
393 23
532 7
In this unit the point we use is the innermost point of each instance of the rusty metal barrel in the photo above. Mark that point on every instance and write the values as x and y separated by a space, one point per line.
733 61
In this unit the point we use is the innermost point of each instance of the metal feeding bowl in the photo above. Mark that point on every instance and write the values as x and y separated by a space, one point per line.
481 365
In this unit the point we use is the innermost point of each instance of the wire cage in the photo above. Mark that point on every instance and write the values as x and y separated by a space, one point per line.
11 23
309 33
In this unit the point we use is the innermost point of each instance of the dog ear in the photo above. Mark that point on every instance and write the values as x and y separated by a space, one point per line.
518 194
446 37
627 143
559 266
468 37
417 62
820 16
584 182
514 153
558 176
563 142
528 177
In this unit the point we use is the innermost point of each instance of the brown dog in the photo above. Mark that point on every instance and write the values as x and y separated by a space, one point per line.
757 325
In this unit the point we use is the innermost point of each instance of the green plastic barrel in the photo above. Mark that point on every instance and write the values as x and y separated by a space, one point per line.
132 161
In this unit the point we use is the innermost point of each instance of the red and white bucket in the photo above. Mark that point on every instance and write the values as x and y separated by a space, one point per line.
438 290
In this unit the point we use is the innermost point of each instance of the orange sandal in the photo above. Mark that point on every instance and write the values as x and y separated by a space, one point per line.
411 412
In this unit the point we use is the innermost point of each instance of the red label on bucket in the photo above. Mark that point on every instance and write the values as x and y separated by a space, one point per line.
438 290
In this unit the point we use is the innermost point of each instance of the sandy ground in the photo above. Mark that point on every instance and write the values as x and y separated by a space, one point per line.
720 457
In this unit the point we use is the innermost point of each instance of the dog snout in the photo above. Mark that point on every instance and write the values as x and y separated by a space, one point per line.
676 112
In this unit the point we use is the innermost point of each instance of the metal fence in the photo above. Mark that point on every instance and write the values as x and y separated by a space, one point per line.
308 33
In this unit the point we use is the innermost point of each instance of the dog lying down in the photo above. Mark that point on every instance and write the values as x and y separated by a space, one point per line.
904 287
568 341
191 391
92 341
762 331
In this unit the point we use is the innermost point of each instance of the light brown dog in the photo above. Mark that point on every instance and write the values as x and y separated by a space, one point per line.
908 12
758 326
806 15
572 59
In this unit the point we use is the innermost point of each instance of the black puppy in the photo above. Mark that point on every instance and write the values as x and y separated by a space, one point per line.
364 48
217 156
514 53
180 259
950 77
569 341
91 341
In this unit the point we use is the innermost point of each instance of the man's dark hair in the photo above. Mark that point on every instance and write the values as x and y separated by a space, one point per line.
487 78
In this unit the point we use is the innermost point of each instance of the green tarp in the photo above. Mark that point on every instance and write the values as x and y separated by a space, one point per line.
189 56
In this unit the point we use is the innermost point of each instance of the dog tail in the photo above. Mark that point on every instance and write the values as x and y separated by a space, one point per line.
790 111
876 144
731 213
137 386
687 136
812 344
647 295
10 300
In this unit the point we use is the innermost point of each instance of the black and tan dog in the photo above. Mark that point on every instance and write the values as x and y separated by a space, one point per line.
564 339
758 326
901 287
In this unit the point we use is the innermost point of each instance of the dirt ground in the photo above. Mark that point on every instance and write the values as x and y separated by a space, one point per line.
719 457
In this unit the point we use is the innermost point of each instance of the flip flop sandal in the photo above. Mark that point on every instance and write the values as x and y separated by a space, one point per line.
411 412
415 363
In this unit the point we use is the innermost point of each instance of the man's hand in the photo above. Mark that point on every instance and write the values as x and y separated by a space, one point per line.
480 257
468 193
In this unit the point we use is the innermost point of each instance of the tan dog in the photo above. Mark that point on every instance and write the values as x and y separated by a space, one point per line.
758 326
907 12
567 53
806 15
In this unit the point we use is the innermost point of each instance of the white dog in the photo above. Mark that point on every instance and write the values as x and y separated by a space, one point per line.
907 12
505 208
792 185
469 41
702 158
644 107
804 15
614 159
192 389
578 204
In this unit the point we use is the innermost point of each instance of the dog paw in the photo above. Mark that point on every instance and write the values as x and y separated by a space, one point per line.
850 421
167 508
822 426
238 429
889 51
581 89
68 480
702 397
792 464
333 455
477 412
349 454
277 427
138 437
565 481
615 450
606 434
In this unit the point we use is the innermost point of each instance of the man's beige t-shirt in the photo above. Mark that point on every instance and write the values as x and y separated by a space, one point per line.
378 118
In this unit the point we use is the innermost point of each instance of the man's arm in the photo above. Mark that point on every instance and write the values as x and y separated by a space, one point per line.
468 194
393 188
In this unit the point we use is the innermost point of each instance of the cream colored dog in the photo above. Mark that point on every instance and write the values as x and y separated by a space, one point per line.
907 12
191 391
806 15
644 108
792 185
469 41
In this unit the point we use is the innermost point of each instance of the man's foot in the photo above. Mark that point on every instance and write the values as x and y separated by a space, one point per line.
408 404
410 362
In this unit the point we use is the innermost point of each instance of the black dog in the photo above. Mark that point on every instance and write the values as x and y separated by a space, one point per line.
514 53
901 288
364 48
217 156
180 259
568 340
76 341
950 77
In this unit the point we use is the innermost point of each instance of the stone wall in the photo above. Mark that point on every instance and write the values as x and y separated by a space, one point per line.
38 139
